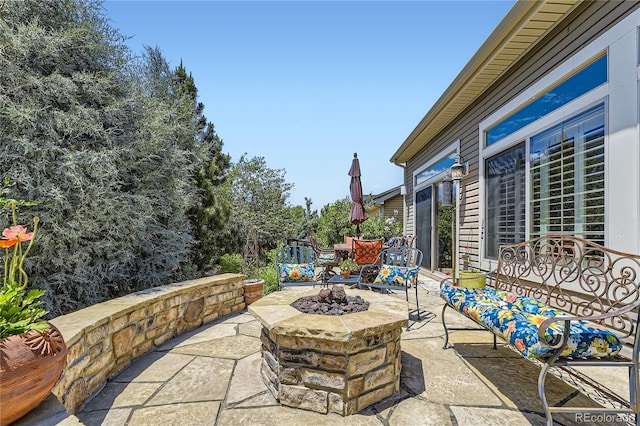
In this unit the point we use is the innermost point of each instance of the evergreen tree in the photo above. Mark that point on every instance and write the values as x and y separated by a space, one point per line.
210 212
60 106
97 148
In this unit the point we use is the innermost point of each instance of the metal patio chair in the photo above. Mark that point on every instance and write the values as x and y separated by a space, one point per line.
296 266
398 269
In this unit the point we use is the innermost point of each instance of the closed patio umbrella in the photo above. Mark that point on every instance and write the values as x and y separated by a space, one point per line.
357 208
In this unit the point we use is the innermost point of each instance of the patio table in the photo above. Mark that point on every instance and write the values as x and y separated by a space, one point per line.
337 279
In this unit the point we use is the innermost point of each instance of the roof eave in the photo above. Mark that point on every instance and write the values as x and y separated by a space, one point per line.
467 84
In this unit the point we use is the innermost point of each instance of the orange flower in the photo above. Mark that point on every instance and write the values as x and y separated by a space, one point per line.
519 344
510 297
7 243
17 232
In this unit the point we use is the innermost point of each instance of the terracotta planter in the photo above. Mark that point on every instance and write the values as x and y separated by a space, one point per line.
253 290
345 274
30 365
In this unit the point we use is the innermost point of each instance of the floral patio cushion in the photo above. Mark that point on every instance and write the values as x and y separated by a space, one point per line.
517 320
326 257
296 272
395 275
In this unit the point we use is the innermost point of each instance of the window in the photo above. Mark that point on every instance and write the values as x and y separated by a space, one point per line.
567 178
440 167
566 184
592 76
505 199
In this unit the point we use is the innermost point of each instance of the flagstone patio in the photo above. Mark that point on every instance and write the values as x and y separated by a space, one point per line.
211 376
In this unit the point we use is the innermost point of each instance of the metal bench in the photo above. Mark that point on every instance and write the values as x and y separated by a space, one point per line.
564 301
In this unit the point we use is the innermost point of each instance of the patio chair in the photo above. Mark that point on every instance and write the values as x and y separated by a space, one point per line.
327 258
409 240
365 252
296 266
398 270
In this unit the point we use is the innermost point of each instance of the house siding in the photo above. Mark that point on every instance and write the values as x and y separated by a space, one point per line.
587 22
392 205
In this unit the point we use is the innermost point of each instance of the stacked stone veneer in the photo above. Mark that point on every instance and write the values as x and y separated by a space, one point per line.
331 364
104 339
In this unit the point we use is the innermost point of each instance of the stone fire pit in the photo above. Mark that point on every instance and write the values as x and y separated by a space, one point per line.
331 364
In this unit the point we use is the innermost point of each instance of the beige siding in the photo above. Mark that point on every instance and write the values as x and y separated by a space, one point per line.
394 204
587 22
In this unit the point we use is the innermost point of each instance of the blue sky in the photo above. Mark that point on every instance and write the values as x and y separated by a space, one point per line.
306 84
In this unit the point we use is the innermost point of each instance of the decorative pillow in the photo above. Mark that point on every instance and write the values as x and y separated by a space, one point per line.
296 272
394 275
328 257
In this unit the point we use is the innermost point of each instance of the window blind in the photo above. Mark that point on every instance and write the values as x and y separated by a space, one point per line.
567 178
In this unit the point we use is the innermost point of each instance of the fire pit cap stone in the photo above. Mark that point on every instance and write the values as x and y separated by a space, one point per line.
277 316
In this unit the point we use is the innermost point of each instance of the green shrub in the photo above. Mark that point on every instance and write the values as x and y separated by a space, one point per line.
231 263
270 276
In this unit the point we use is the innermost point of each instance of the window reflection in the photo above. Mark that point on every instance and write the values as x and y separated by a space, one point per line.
584 81
440 167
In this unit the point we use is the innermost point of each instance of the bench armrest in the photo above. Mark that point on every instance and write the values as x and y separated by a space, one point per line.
544 326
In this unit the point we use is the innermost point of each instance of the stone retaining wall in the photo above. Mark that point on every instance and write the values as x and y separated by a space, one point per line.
103 339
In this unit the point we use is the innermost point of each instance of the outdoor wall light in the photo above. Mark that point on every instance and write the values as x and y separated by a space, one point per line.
459 168
447 191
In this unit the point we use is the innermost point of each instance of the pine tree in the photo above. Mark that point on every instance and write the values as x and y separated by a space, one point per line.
97 148
210 211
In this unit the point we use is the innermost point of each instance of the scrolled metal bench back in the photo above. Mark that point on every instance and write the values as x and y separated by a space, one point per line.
575 275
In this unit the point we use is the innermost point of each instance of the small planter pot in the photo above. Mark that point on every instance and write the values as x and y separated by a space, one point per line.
345 274
30 366
472 279
253 289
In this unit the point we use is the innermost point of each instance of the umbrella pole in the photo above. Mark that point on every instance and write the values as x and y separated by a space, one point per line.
358 230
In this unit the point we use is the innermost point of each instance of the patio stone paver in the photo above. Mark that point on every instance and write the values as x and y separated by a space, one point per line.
194 413
208 333
417 412
117 395
246 381
231 347
264 399
204 379
114 416
253 329
489 416
154 367
285 416
455 384
211 376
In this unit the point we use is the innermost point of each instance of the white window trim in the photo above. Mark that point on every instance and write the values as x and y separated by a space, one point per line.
616 43
441 155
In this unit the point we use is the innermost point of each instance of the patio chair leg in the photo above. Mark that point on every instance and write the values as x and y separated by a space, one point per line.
446 330
418 303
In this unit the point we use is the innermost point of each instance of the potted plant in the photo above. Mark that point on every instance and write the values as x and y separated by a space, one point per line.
472 278
33 350
253 284
346 266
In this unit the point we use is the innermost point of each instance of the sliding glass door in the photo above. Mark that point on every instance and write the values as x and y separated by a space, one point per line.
435 227
424 224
